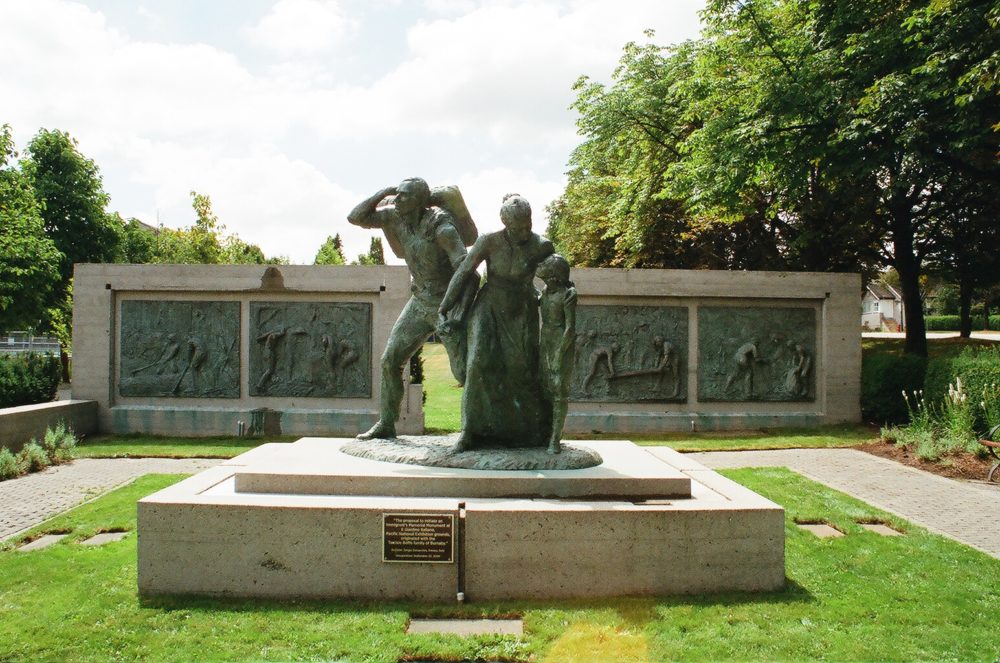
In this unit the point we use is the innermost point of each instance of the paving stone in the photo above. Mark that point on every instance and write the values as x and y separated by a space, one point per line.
961 510
822 530
467 626
104 537
880 528
34 498
43 541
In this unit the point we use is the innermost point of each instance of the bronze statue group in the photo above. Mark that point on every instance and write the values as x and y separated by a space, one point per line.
515 371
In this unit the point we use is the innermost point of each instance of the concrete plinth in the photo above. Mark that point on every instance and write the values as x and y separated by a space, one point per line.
313 528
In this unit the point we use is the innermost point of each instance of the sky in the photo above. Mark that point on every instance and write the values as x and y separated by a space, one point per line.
287 113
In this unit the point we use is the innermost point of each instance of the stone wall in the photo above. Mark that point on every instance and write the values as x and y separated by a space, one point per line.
18 425
197 350
669 350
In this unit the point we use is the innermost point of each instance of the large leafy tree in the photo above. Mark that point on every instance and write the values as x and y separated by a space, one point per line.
72 202
823 135
859 115
29 260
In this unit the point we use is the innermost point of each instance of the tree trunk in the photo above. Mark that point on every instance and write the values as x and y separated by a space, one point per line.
908 266
986 311
965 307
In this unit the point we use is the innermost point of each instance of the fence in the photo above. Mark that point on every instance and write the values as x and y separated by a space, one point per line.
16 342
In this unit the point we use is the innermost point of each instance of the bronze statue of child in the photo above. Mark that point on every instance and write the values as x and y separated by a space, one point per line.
558 339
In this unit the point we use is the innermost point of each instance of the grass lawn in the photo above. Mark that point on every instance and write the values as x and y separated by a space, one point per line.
145 446
936 347
444 401
859 597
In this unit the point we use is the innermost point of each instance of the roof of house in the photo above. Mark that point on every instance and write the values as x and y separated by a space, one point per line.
883 291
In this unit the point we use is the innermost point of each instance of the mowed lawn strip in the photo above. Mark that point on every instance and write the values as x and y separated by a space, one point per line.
858 597
150 446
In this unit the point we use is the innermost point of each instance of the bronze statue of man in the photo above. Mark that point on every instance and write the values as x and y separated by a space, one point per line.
432 242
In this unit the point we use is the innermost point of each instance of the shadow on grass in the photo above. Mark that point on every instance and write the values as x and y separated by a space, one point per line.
634 610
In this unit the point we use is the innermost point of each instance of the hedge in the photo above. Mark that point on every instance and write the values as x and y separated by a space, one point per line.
885 375
953 322
28 378
978 366
884 378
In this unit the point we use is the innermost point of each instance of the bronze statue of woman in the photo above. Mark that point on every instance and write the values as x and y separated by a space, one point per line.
503 404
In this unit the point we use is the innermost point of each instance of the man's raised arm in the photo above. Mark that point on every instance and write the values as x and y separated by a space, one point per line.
365 214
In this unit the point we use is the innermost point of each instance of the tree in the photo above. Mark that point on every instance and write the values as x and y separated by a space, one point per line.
138 243
375 255
863 109
331 252
623 207
204 243
71 201
29 260
959 256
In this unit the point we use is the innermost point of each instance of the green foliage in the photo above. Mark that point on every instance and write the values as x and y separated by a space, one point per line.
138 243
375 255
29 260
203 243
10 467
885 377
942 428
959 403
56 447
28 378
33 457
59 443
952 322
331 252
828 136
978 369
72 201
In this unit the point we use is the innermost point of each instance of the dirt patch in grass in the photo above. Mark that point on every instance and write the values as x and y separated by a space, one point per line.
954 466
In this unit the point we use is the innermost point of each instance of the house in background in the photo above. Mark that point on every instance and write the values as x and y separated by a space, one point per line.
882 308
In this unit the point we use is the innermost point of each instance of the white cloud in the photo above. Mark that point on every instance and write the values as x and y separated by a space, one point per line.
505 68
301 27
285 205
478 99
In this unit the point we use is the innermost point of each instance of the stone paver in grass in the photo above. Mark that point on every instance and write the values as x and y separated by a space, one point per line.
34 498
467 626
881 528
961 510
44 541
104 537
822 530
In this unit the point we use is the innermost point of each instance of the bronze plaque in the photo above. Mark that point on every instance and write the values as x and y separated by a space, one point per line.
418 537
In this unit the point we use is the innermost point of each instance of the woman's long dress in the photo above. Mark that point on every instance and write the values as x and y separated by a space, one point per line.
503 404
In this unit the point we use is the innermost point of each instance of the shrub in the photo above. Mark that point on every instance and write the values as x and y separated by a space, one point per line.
978 368
953 322
885 377
28 378
58 443
9 465
33 457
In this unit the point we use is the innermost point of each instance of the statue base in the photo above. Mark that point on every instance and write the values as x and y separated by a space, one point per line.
436 451
306 520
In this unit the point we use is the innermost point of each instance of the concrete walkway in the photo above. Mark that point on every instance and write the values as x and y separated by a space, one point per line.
34 498
965 511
